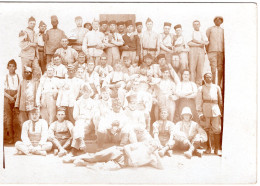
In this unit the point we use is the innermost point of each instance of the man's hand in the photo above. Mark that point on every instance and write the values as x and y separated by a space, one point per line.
202 118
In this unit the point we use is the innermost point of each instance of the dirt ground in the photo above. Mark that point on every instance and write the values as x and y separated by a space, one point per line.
50 169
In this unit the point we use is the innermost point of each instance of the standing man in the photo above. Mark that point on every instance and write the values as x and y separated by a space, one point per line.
209 107
28 45
181 49
139 33
93 44
197 53
53 38
79 33
121 27
26 95
114 41
215 49
41 40
150 41
47 95
166 41
103 26
131 46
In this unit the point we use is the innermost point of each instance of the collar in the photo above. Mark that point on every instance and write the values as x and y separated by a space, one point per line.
129 34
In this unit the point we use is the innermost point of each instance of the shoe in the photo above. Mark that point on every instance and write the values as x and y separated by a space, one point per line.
68 159
79 162
169 153
198 153
56 151
43 153
188 154
217 152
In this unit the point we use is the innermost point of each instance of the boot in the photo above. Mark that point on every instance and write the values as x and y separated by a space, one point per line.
189 152
217 144
198 153
208 150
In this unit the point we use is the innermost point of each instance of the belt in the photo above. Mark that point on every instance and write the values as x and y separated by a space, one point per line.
210 101
59 77
78 44
151 49
92 46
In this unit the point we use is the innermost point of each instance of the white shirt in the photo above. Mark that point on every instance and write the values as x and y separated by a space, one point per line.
11 82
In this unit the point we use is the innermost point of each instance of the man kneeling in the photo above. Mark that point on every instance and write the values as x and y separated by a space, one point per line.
34 136
189 134
116 157
60 133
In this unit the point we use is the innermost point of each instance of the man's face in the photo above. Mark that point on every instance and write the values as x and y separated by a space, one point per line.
139 28
80 73
54 22
208 78
42 28
127 62
143 71
166 74
166 29
61 116
130 29
117 107
132 105
81 59
103 27
162 61
135 85
120 28
57 61
50 72
186 117
186 76
64 43
148 61
95 25
28 75
218 22
178 31
34 116
31 24
105 95
88 26
149 25
78 22
103 61
11 68
196 25
112 27
91 66
117 67
164 114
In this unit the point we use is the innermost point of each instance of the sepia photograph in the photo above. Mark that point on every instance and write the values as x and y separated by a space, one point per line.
128 93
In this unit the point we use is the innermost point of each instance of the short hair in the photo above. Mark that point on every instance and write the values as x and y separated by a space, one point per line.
103 55
56 55
184 70
12 61
196 21
78 17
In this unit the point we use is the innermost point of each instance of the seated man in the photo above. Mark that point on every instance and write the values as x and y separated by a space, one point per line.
163 131
60 133
112 128
34 136
189 134
83 113
115 157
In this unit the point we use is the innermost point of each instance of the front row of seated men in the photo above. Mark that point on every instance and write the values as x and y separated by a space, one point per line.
125 129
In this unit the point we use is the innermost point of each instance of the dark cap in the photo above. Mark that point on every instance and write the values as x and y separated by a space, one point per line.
31 19
103 22
219 17
138 23
167 24
128 23
112 22
120 23
177 26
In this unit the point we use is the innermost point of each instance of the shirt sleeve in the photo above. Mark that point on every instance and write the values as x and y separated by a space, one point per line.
24 134
51 131
84 44
155 128
199 101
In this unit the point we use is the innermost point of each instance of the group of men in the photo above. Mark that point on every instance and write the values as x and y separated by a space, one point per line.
118 86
